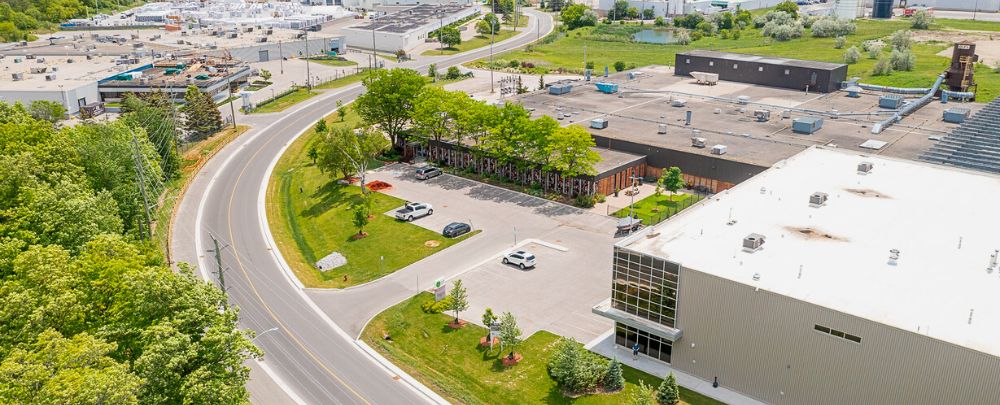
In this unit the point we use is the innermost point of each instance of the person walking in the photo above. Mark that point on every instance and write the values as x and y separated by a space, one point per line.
635 351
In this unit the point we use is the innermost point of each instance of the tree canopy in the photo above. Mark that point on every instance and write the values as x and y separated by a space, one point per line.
389 99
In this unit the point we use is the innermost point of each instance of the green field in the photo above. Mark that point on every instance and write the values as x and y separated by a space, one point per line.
451 362
317 220
283 102
604 46
333 62
654 209
476 42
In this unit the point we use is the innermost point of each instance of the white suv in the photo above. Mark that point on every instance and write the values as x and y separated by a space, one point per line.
520 258
411 211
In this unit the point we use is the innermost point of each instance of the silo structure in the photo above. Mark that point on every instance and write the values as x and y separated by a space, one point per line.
882 9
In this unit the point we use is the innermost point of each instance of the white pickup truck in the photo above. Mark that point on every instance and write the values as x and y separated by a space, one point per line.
411 211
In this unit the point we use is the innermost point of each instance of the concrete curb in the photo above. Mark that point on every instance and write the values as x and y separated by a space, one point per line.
392 369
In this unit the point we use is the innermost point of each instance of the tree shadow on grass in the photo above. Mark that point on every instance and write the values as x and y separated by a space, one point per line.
330 195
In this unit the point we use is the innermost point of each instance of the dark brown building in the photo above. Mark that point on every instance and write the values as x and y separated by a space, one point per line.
764 70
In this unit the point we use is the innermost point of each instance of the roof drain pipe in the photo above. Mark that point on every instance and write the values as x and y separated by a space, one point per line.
958 95
910 108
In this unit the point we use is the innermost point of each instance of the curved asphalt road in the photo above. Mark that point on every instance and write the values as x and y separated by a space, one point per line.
308 359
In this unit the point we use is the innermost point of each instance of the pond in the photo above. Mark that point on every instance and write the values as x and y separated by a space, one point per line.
654 36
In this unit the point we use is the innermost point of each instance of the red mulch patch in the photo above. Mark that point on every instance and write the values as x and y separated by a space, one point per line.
458 325
352 179
484 343
378 185
507 362
359 236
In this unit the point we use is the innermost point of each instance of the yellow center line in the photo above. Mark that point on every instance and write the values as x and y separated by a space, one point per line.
232 241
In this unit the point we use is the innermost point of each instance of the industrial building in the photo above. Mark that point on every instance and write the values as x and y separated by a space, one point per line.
216 77
405 29
823 280
70 81
958 5
723 134
764 70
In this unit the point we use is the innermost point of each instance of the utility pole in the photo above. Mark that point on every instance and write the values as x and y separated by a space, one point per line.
492 37
374 56
281 58
308 76
140 174
232 110
220 272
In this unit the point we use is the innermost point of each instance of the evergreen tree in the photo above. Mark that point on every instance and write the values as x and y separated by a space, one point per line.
668 393
199 122
614 380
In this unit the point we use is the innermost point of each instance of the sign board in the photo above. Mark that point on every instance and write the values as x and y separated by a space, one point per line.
494 332
440 289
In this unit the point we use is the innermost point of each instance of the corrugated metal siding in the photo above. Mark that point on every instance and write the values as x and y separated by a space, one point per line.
763 344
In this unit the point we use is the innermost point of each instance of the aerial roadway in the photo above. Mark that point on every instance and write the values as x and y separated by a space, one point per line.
308 358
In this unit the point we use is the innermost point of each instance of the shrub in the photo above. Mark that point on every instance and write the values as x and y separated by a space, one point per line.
902 60
576 369
852 55
436 307
659 22
600 198
882 68
779 17
789 7
808 21
619 66
589 65
689 21
682 37
453 73
782 32
839 42
584 201
707 28
901 39
874 49
724 34
922 20
736 34
696 35
827 27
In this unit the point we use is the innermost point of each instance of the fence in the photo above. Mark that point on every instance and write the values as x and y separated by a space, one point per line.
652 214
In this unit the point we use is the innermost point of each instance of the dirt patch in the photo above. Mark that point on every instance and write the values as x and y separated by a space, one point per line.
814 234
432 243
866 193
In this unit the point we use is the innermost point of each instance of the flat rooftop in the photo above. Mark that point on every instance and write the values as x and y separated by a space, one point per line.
838 255
771 60
411 18
69 75
718 117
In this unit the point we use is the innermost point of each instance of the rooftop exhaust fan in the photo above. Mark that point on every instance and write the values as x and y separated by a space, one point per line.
753 242
865 167
818 199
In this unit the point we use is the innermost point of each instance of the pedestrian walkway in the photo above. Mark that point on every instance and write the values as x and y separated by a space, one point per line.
605 346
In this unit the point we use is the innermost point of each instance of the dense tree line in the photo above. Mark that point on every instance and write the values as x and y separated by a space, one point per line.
403 107
20 17
88 314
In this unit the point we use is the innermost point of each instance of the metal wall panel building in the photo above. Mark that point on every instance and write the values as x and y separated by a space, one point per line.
768 71
764 345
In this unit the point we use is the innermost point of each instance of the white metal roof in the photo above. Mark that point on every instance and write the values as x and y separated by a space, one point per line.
944 222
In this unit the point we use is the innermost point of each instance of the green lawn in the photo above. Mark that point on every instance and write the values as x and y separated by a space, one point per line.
334 62
654 209
343 81
310 224
965 25
476 42
451 363
283 102
566 52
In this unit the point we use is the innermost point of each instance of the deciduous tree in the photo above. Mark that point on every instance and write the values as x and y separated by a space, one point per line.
350 151
388 101
459 299
510 333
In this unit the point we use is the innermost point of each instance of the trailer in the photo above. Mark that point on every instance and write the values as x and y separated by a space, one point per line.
710 79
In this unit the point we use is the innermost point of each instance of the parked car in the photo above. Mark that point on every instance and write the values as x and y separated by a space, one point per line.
412 211
455 229
428 172
520 258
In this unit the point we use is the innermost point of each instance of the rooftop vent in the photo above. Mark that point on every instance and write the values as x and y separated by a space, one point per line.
756 276
50 77
817 199
661 129
719 150
698 142
865 167
753 242
893 256
17 76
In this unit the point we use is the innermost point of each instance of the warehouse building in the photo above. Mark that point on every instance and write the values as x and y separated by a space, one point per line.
405 29
823 280
70 81
764 70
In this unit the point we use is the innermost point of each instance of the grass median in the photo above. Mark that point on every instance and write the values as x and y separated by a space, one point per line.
452 364
476 42
311 216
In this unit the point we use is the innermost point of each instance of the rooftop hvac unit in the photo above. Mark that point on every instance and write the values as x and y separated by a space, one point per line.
18 59
762 115
55 68
719 150
37 70
70 60
807 125
50 77
17 76
661 129
817 199
743 99
599 123
678 102
232 35
890 101
865 167
261 39
956 115
753 242
786 113
40 60
698 142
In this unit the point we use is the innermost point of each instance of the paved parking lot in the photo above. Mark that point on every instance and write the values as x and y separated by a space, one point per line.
573 248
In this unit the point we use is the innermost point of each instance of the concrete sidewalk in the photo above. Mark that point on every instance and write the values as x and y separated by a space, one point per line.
605 346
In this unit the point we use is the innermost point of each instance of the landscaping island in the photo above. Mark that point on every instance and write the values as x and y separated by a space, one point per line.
453 364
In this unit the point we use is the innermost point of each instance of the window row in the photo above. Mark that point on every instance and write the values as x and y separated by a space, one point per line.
837 333
649 344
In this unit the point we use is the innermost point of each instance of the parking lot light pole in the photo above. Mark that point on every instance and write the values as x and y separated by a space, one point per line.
263 333
632 204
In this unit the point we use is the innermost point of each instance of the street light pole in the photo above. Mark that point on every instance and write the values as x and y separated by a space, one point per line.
281 58
308 75
975 10
632 204
374 57
492 37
